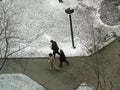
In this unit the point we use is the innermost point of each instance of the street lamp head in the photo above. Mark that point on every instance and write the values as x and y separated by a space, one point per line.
61 1
69 11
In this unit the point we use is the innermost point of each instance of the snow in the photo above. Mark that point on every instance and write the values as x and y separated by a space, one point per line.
18 82
94 3
48 20
118 7
84 86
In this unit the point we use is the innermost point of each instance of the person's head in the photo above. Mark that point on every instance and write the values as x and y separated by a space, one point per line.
50 54
61 51
51 41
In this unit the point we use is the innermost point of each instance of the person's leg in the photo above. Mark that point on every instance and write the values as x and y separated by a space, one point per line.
57 52
57 68
60 63
54 53
51 67
66 62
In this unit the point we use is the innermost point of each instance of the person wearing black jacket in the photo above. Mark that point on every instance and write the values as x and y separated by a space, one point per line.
63 58
54 47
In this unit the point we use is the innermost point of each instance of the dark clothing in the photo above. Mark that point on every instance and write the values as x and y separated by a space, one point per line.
55 48
63 59
54 52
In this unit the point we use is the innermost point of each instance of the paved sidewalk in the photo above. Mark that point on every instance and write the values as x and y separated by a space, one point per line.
37 69
51 80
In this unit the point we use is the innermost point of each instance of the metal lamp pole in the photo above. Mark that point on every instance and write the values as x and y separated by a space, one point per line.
70 11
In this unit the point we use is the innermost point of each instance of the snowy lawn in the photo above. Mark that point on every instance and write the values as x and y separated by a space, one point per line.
18 82
47 20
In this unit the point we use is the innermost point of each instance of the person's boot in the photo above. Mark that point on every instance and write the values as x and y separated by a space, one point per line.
50 69
60 66
68 63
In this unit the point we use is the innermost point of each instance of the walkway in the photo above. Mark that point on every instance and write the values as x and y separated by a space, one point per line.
37 69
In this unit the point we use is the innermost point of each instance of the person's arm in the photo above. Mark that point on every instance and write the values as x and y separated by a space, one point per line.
52 46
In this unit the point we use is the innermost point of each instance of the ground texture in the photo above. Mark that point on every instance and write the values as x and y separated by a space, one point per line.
70 77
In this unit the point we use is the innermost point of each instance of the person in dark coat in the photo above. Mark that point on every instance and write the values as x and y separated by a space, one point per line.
54 47
63 58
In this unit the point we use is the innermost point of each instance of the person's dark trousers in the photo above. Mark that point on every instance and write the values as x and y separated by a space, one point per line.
66 62
54 53
61 61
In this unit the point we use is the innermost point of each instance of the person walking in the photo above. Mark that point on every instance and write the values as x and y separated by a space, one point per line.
52 62
54 47
63 58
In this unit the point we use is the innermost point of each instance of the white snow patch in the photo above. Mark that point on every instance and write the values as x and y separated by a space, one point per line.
18 82
55 4
118 7
84 86
48 19
93 3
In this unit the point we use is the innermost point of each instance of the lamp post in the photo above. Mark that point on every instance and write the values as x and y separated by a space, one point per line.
70 11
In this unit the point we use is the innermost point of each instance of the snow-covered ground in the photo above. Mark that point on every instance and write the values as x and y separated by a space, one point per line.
18 82
47 20
84 86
